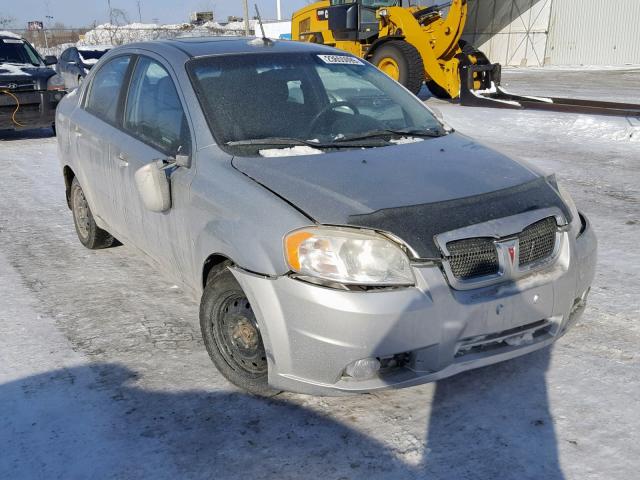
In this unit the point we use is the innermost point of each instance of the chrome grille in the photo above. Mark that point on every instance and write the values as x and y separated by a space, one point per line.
473 257
18 85
537 241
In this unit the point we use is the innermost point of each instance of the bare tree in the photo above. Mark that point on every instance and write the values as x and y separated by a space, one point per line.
117 19
6 21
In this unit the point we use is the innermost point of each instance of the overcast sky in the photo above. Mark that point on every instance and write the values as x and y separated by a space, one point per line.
78 13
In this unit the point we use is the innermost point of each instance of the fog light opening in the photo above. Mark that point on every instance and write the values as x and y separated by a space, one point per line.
363 369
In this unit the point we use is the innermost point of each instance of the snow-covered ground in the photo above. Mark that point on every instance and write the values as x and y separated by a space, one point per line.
103 374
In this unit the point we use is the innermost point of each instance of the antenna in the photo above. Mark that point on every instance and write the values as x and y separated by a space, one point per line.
267 41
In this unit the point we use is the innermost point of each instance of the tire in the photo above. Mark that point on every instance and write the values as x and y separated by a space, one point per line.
407 60
231 334
89 234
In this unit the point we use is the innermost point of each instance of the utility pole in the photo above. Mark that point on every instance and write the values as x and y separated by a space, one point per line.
245 5
139 11
278 10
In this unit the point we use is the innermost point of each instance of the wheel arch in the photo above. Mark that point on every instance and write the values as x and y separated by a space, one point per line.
69 175
211 263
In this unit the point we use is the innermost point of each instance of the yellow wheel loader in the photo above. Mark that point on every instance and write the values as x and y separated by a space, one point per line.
411 44
415 44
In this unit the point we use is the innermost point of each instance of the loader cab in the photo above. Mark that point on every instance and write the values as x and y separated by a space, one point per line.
355 20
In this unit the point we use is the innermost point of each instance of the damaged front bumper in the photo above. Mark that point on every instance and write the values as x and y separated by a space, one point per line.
35 109
416 335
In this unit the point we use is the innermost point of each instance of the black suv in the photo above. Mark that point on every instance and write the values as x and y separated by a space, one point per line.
29 89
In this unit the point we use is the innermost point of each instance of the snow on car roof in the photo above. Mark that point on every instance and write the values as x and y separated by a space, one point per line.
4 33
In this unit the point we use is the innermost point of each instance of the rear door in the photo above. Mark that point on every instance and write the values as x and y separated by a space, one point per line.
92 130
155 127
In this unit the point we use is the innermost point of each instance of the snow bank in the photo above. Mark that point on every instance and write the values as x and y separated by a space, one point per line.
108 34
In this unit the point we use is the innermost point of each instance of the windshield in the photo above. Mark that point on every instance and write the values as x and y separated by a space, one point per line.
17 51
303 96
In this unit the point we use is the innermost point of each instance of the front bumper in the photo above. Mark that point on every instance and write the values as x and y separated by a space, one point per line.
34 109
312 333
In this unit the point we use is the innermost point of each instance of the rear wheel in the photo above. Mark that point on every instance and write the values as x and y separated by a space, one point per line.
231 334
89 234
402 62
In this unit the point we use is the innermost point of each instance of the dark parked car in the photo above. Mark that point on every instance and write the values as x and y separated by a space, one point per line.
29 88
75 63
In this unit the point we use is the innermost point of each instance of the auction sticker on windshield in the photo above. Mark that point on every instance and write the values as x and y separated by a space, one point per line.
340 59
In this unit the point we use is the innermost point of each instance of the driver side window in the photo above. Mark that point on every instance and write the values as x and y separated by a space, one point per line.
153 111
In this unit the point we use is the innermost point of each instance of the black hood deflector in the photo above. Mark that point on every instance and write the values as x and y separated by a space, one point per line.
414 191
419 224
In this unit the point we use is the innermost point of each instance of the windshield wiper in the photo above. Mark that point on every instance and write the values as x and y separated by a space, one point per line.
293 142
405 132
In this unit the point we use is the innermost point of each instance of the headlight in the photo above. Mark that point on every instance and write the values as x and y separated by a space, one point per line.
347 256
575 220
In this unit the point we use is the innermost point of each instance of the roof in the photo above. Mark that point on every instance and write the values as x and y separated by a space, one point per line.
204 46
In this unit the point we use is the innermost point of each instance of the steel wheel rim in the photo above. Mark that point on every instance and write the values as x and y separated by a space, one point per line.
238 336
81 213
390 67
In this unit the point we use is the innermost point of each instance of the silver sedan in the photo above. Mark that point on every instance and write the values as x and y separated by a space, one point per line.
340 237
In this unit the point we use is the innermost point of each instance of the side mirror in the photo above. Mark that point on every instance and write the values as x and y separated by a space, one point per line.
153 186
183 160
50 60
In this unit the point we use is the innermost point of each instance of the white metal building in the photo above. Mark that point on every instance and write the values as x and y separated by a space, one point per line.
556 32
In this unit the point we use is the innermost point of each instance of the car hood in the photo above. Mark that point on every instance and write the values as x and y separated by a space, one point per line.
414 191
25 73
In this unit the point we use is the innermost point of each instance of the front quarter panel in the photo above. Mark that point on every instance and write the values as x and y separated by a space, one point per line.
236 217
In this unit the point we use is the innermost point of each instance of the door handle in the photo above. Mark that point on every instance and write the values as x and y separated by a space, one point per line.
123 159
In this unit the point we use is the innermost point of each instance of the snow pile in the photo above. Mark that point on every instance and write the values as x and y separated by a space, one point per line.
290 151
4 33
109 34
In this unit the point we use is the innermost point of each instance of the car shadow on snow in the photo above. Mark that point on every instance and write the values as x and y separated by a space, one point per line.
494 423
27 134
94 422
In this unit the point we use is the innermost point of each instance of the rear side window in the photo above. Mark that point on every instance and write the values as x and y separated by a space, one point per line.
154 112
104 93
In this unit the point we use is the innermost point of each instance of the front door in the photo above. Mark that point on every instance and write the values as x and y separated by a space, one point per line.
154 127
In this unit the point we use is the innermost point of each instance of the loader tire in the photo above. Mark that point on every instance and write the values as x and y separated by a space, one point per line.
402 62
437 91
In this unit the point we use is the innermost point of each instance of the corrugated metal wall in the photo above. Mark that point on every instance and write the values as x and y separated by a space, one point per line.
594 32
511 32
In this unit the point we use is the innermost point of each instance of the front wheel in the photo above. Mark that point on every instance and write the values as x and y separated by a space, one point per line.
402 62
231 334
